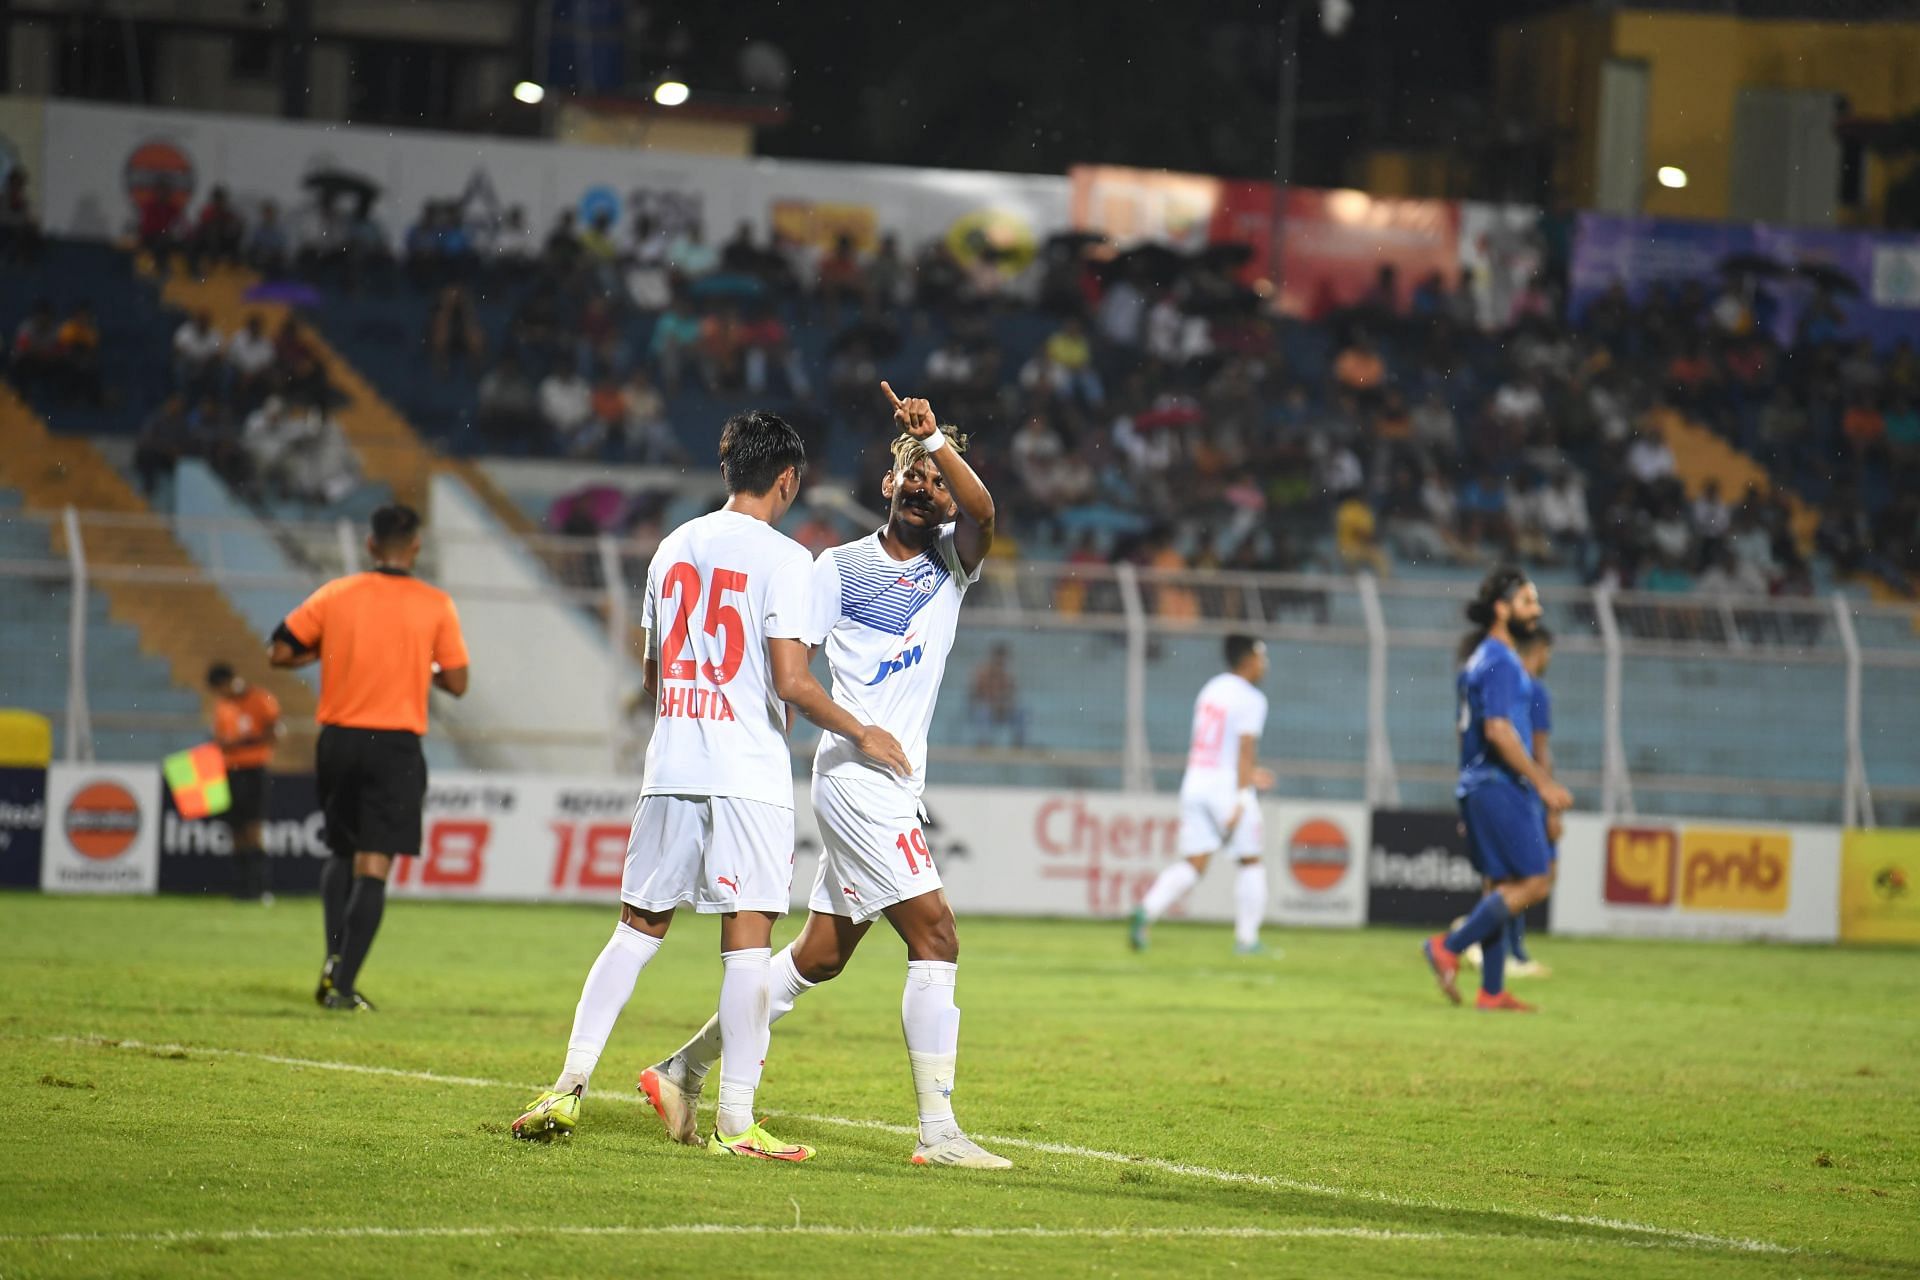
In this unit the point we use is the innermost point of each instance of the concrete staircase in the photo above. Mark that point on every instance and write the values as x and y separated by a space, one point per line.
181 619
1699 455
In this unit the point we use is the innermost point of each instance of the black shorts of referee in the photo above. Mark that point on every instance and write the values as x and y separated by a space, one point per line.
373 787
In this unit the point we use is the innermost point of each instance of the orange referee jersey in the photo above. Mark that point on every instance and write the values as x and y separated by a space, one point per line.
379 635
238 722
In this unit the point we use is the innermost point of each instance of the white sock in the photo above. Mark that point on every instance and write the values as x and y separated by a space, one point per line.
1249 902
609 985
1170 886
743 1034
696 1057
932 1027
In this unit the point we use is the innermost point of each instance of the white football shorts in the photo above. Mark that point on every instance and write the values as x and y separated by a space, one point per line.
1205 821
873 851
717 853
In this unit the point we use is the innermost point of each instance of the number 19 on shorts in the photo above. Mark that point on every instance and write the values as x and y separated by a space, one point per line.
913 847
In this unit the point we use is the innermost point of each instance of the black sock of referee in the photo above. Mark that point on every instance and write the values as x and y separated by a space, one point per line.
336 885
364 909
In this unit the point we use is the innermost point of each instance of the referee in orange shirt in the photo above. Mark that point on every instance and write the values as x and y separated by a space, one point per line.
380 638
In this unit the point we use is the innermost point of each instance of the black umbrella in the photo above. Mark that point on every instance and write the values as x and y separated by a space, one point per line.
1227 256
328 184
1828 278
1075 241
1153 263
1758 265
1241 302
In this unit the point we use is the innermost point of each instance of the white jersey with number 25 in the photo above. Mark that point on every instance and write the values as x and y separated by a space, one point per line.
1228 708
719 588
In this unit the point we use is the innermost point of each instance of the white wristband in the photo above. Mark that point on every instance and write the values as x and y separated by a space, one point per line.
935 442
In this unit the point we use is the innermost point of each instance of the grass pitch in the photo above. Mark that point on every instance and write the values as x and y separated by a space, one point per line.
181 1108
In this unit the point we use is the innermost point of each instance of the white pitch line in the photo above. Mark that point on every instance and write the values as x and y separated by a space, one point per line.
1676 1235
743 1229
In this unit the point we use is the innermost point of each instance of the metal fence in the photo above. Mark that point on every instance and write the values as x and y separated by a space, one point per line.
1742 708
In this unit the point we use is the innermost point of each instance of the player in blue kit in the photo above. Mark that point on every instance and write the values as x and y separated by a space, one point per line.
1502 788
1536 655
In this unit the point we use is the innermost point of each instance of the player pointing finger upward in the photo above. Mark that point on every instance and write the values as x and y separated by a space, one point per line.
886 608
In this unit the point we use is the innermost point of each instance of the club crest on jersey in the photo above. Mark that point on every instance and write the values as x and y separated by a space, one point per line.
924 584
907 657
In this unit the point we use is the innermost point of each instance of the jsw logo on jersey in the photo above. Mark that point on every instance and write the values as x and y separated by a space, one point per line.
898 663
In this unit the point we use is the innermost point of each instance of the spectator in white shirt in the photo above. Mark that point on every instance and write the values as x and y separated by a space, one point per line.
1165 328
1340 471
1711 518
691 257
1526 508
1123 314
1729 575
1563 513
1648 458
513 245
249 357
1434 429
566 404
1669 532
196 355
1519 403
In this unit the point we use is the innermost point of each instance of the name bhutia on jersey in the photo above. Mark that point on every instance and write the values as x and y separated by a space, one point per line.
694 704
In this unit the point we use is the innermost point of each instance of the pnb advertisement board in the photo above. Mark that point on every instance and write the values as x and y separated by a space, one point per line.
1692 878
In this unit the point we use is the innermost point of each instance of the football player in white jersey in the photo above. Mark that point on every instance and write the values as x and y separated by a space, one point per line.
727 614
888 605
1219 801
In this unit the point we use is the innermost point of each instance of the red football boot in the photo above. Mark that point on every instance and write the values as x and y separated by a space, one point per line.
1445 965
1505 1000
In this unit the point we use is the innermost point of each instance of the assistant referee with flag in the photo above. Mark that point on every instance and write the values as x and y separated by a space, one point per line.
381 638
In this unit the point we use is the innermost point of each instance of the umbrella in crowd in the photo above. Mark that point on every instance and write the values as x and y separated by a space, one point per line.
1229 255
293 293
1747 263
1828 278
329 185
1156 264
1074 241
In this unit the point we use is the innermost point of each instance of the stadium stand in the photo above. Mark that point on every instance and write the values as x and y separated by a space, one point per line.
1138 409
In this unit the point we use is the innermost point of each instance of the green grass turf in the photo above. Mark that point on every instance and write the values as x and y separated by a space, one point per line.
1741 1092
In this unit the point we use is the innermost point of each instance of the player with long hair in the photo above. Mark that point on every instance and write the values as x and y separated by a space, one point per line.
1502 788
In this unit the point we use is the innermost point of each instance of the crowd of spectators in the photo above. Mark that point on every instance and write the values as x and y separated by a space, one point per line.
1139 405
58 354
257 406
1831 415
1161 414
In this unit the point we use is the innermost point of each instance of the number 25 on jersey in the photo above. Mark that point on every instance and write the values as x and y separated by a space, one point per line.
721 621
